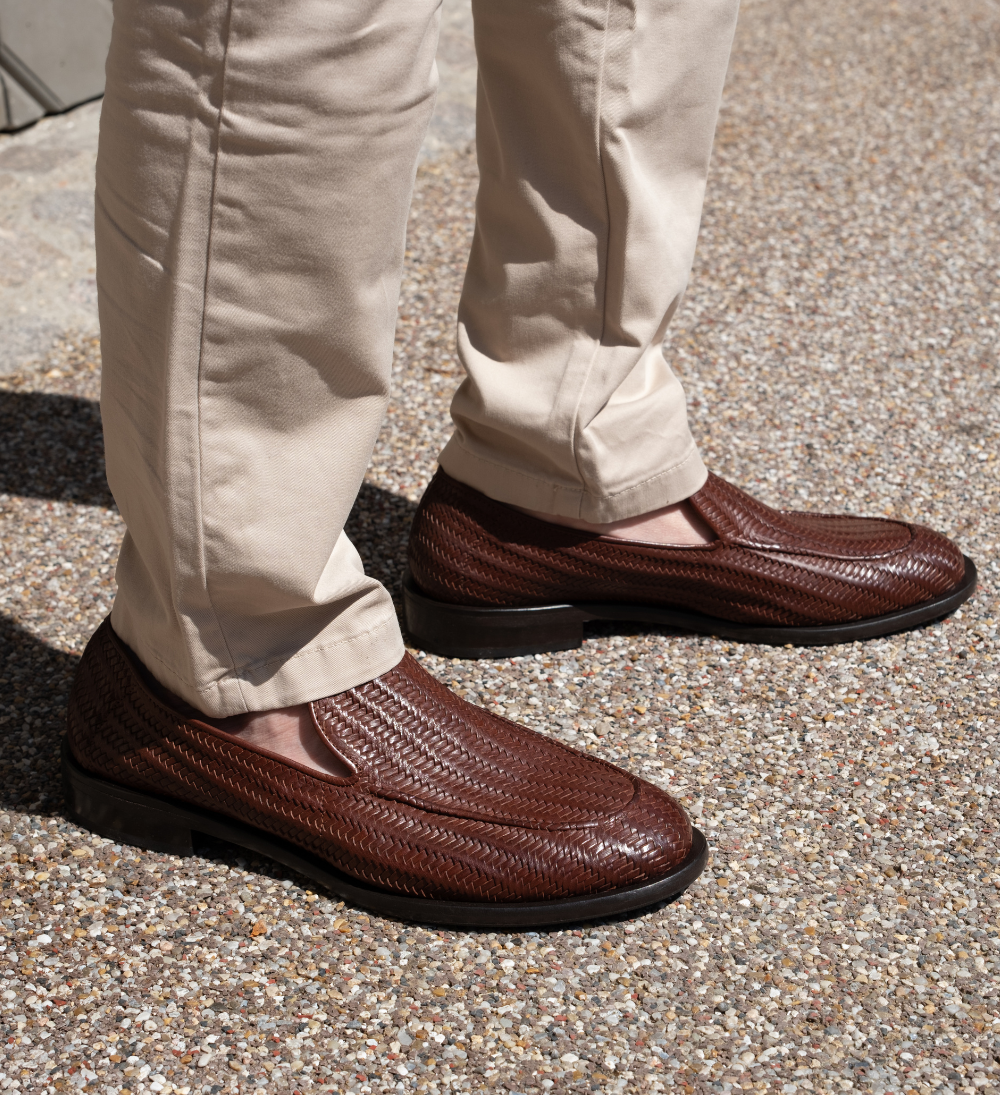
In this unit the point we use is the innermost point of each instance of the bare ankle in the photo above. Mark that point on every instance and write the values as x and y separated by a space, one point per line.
678 525
288 731
291 733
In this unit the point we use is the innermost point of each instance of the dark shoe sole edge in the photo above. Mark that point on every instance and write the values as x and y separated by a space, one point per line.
164 825
462 631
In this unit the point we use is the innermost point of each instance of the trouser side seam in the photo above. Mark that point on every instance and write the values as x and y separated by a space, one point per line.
602 260
227 30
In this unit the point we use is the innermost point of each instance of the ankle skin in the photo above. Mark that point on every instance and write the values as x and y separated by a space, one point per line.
679 525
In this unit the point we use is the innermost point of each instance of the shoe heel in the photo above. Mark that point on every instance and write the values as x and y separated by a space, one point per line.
124 815
459 631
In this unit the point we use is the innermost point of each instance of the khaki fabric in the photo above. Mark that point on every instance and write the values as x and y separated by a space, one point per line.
594 130
255 169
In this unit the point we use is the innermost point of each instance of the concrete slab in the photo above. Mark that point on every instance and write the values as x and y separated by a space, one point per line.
453 126
47 286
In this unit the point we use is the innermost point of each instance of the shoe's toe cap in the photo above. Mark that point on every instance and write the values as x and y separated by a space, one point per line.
647 840
932 567
465 860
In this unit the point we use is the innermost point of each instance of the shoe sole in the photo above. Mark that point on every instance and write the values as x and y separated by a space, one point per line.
461 631
164 825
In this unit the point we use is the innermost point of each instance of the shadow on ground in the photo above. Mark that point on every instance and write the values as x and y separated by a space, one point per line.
379 526
51 446
34 685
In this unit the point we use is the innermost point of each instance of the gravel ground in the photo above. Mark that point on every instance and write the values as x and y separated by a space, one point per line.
839 346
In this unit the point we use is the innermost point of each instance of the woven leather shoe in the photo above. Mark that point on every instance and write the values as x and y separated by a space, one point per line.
486 580
452 816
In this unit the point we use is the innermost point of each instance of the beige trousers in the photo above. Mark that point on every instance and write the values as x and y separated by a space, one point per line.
255 169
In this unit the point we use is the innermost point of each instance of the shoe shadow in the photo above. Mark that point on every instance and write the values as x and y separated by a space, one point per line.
555 929
603 630
379 527
52 446
34 685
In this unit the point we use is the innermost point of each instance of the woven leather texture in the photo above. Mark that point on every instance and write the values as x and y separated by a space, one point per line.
765 566
448 800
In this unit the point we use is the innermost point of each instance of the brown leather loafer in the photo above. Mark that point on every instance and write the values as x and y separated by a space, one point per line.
486 580
452 816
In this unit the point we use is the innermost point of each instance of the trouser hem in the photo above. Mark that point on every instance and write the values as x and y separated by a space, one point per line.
331 665
520 488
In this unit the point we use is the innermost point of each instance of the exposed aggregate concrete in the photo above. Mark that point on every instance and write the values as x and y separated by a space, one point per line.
839 348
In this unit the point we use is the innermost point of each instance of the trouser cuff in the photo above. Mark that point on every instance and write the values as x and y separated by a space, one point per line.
521 488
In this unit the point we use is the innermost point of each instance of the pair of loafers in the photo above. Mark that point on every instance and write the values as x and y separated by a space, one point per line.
454 815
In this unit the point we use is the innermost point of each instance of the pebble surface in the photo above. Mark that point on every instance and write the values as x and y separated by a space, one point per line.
839 348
